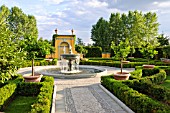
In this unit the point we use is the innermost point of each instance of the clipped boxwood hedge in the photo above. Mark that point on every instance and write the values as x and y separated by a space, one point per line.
42 90
149 72
138 102
44 98
147 85
117 63
8 91
39 63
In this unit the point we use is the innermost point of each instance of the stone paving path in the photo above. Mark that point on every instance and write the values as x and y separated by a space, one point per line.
83 95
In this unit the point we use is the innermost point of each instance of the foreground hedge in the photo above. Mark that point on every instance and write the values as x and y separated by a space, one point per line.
44 98
138 102
147 85
8 91
42 90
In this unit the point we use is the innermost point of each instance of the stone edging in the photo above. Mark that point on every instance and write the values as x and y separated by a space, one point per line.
117 100
53 101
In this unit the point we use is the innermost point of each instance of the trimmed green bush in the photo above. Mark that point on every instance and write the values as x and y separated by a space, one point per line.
44 98
29 88
93 51
8 91
138 102
114 63
147 85
39 63
43 90
149 72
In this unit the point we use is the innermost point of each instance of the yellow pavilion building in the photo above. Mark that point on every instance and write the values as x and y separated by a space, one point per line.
63 44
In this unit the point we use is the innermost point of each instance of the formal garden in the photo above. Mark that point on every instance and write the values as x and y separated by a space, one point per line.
132 41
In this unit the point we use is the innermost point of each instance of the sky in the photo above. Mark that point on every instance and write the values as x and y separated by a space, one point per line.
80 15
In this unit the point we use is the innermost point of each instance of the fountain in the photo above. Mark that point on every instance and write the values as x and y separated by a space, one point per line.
69 68
70 62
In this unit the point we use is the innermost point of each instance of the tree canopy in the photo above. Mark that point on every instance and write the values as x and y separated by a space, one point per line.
140 29
18 39
100 34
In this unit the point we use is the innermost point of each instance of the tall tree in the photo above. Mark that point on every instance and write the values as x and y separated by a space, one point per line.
135 26
100 35
80 42
24 26
115 28
11 54
163 40
151 29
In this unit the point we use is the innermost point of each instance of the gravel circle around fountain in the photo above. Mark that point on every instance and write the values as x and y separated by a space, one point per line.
86 72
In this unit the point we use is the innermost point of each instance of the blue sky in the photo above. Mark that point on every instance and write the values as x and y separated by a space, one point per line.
80 15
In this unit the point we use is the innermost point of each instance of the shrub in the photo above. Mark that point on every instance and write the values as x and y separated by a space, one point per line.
138 102
44 98
93 51
149 72
147 85
8 91
43 90
136 74
34 88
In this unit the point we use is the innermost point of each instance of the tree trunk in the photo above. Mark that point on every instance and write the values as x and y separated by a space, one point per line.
32 67
131 53
148 60
121 66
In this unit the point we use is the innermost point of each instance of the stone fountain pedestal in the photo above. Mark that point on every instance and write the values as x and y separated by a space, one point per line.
70 63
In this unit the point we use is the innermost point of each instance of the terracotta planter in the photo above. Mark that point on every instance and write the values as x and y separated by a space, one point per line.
148 66
125 62
165 60
35 78
121 76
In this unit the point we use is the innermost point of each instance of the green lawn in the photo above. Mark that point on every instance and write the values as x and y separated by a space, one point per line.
21 104
167 82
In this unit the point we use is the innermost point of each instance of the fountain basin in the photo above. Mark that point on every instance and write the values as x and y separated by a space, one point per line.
86 72
69 56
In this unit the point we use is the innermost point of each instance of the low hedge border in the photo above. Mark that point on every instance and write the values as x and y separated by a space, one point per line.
147 85
117 63
43 90
39 63
138 102
44 98
8 91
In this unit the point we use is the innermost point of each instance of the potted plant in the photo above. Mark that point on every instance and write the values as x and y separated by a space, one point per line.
121 51
33 77
166 53
148 52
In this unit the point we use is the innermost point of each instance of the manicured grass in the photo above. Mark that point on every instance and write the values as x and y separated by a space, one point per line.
167 82
21 104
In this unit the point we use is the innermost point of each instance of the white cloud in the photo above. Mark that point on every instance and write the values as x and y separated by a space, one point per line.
61 14
80 12
96 4
42 18
162 4
48 23
53 1
155 3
